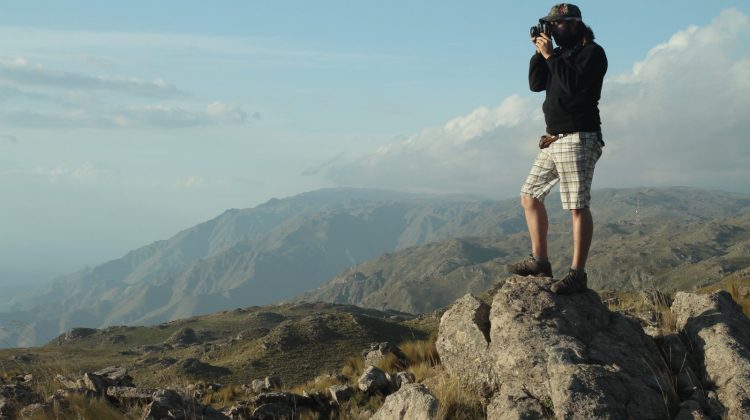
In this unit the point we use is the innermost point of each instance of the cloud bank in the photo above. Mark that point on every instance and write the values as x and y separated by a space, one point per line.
51 98
679 117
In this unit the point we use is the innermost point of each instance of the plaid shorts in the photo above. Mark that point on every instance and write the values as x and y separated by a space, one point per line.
570 161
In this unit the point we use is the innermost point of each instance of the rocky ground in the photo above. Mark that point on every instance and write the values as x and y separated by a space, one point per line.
521 352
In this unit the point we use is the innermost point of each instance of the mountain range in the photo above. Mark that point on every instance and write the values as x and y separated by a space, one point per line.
286 247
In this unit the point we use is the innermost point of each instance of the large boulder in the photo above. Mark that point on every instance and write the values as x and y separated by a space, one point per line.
373 381
411 402
536 354
718 333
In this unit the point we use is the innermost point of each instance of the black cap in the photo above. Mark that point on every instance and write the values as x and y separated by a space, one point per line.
563 11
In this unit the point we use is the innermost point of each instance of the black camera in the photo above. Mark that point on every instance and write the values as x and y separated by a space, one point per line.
541 28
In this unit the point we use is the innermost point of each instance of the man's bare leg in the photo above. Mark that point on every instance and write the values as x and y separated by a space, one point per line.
536 220
583 231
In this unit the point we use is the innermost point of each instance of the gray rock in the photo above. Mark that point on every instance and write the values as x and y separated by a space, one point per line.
691 410
273 382
274 411
512 402
463 343
258 385
184 337
6 409
288 398
379 351
74 335
719 336
35 411
341 393
411 402
238 412
373 380
18 394
100 380
403 378
129 394
195 368
570 353
166 404
69 383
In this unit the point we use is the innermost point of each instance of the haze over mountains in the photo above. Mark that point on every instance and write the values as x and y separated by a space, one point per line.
286 247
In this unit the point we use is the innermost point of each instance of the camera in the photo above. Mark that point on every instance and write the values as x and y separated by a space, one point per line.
541 28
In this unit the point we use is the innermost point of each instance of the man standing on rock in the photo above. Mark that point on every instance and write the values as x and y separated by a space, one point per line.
572 76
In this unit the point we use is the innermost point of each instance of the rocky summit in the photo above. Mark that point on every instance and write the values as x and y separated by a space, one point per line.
534 354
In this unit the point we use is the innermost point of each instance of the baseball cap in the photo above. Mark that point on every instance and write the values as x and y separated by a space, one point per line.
563 11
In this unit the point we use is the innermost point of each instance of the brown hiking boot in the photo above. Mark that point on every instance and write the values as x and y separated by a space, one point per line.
571 283
530 267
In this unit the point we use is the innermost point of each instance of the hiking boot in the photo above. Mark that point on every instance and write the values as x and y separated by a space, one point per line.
530 267
571 283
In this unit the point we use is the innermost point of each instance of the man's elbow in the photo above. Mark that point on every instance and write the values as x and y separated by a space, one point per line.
537 88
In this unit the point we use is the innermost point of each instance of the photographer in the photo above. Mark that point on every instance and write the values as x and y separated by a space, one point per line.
572 76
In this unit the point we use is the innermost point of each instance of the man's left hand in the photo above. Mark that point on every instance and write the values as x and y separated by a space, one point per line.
544 45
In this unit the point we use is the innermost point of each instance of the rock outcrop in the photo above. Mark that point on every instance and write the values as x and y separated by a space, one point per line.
534 354
718 335
411 402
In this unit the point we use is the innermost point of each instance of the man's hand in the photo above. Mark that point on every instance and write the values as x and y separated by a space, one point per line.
543 45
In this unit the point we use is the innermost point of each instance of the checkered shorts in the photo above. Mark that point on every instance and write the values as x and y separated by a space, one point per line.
570 161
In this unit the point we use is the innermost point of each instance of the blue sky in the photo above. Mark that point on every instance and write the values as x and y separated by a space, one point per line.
124 122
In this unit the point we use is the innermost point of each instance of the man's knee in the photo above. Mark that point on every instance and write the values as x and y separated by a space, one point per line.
528 202
576 213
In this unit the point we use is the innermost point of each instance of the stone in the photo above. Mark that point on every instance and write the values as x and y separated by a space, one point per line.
184 337
238 412
539 354
195 368
288 398
373 380
273 382
18 394
463 344
341 393
691 410
36 411
719 336
74 335
129 394
403 378
258 386
411 402
379 351
274 411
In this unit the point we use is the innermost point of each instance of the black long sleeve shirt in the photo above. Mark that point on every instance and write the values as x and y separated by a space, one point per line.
573 80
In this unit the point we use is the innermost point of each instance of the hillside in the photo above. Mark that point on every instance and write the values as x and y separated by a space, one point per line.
295 341
669 256
286 247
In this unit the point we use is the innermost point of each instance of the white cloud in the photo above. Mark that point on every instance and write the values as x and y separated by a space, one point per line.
85 172
142 116
679 117
19 71
193 181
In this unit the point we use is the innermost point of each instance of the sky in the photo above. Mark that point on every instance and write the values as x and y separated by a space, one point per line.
122 123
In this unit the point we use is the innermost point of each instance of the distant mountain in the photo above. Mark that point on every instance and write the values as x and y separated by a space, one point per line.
663 251
287 246
246 257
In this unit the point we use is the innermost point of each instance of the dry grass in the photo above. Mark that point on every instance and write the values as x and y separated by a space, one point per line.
419 352
740 292
353 368
457 402
656 306
223 397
